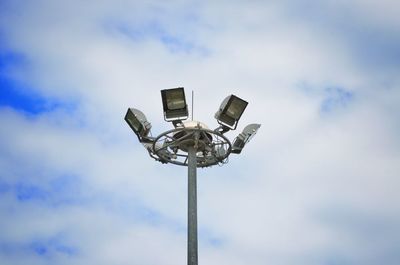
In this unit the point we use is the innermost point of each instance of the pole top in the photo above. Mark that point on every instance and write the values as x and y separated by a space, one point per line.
193 125
193 134
172 146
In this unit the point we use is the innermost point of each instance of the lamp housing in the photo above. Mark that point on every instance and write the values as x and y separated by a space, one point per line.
230 111
174 104
244 137
138 123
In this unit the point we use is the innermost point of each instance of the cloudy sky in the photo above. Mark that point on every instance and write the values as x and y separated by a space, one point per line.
317 185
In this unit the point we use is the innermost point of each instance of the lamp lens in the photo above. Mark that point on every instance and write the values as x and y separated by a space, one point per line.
136 124
175 99
132 117
236 108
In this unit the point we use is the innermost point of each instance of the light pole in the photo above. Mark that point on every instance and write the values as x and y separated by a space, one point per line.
192 144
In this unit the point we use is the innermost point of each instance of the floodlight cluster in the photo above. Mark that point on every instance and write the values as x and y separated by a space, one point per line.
212 146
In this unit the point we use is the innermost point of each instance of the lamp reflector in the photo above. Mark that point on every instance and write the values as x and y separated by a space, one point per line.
174 104
230 111
138 123
243 138
249 131
236 108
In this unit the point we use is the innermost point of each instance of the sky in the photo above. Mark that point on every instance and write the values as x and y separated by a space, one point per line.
318 184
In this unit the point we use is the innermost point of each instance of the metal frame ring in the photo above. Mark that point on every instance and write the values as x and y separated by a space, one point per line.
212 146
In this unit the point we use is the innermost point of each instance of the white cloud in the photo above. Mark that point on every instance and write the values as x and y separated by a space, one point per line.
277 202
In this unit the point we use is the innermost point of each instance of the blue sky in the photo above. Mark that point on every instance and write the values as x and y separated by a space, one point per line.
317 185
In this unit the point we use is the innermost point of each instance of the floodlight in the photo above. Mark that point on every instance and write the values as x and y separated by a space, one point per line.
138 123
192 144
242 139
230 111
174 104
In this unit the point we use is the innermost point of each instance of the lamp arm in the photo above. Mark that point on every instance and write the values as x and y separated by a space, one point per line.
222 129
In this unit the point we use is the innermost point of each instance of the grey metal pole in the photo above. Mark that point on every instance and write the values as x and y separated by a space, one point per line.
192 207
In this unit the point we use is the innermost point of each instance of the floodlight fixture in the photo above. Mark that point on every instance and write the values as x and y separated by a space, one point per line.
243 138
230 111
174 104
192 144
138 123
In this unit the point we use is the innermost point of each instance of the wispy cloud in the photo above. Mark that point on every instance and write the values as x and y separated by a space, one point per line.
336 98
155 31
